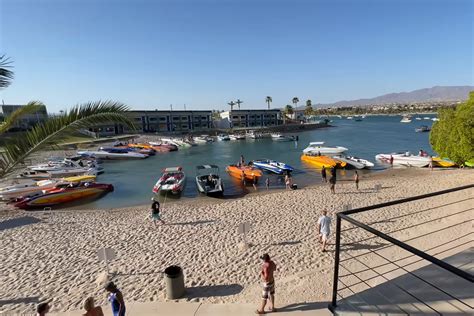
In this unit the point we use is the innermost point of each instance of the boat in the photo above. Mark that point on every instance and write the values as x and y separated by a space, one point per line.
282 138
200 140
405 159
176 142
272 166
406 119
426 118
64 194
58 173
349 117
418 118
318 148
237 137
223 137
323 161
422 128
29 188
355 162
253 135
250 173
172 181
145 149
358 119
435 119
65 164
208 180
163 147
443 162
112 154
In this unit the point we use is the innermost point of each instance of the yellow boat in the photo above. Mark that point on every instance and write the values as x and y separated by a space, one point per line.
89 178
439 162
323 161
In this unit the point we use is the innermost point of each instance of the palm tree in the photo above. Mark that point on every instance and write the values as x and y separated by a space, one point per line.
6 75
231 103
238 102
49 132
268 100
295 101
309 108
287 111
31 108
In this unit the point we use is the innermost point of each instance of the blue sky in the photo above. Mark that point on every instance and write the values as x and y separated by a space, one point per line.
204 53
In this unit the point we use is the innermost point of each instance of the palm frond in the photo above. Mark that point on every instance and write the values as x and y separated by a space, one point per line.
6 75
49 132
30 108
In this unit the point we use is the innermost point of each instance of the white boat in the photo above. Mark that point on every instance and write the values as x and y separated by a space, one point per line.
253 135
404 159
349 117
202 140
208 180
418 118
66 164
426 118
176 142
282 138
272 166
317 148
223 137
117 153
355 162
172 181
435 119
237 136
405 119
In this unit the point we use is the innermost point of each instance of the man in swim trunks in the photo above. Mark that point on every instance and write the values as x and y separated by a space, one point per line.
324 229
268 282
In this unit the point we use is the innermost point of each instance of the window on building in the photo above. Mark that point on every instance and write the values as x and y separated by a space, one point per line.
184 125
162 118
196 118
153 119
138 119
175 118
203 117
184 118
235 117
258 116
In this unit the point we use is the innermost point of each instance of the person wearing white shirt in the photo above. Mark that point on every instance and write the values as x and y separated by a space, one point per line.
324 229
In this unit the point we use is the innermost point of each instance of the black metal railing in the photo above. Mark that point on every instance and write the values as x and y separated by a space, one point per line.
374 233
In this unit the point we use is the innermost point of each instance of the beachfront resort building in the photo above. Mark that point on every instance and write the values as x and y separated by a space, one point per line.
155 121
27 121
249 118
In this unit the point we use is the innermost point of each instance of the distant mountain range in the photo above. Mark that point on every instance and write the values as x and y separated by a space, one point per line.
437 93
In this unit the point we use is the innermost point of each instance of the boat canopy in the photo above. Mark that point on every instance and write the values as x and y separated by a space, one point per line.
173 169
316 143
207 167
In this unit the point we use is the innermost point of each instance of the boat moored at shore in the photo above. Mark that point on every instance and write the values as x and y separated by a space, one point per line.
272 166
172 181
317 148
208 180
404 159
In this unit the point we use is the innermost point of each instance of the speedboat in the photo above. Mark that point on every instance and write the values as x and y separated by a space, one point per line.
349 117
426 118
112 153
323 161
406 119
248 172
358 119
64 194
223 137
422 129
404 159
418 118
272 166
163 147
236 136
176 142
435 119
200 140
172 180
30 188
65 164
142 149
318 148
253 135
208 180
58 173
355 162
282 138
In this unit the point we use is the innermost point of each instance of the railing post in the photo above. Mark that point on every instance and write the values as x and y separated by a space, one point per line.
336 263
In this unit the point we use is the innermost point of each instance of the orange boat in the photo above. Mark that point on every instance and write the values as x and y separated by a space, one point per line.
249 172
323 161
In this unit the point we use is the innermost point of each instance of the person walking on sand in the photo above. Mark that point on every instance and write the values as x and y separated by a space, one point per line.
324 175
42 309
324 224
431 163
332 184
155 212
287 182
91 309
115 298
268 293
267 183
356 179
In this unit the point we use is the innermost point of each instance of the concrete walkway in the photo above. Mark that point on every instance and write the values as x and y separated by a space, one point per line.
200 309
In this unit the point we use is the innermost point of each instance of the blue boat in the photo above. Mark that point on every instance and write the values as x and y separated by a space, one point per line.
272 166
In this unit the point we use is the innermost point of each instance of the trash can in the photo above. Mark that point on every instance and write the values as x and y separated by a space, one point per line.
174 282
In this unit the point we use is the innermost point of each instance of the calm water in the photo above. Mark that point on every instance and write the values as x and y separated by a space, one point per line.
133 180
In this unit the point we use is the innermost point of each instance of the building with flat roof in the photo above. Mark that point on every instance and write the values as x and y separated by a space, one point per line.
154 121
250 118
27 121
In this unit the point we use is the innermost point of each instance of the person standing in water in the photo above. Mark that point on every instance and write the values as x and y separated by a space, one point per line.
356 179
242 160
115 298
323 174
254 181
155 212
267 183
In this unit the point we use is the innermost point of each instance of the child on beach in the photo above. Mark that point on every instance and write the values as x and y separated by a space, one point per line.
115 298
91 309
42 309
324 228
267 183
323 174
356 179
155 212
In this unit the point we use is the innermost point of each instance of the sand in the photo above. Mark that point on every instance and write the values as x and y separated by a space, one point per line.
52 255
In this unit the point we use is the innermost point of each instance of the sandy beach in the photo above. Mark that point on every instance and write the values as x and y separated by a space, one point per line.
52 255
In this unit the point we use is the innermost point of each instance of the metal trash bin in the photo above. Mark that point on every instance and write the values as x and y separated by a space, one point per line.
174 282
